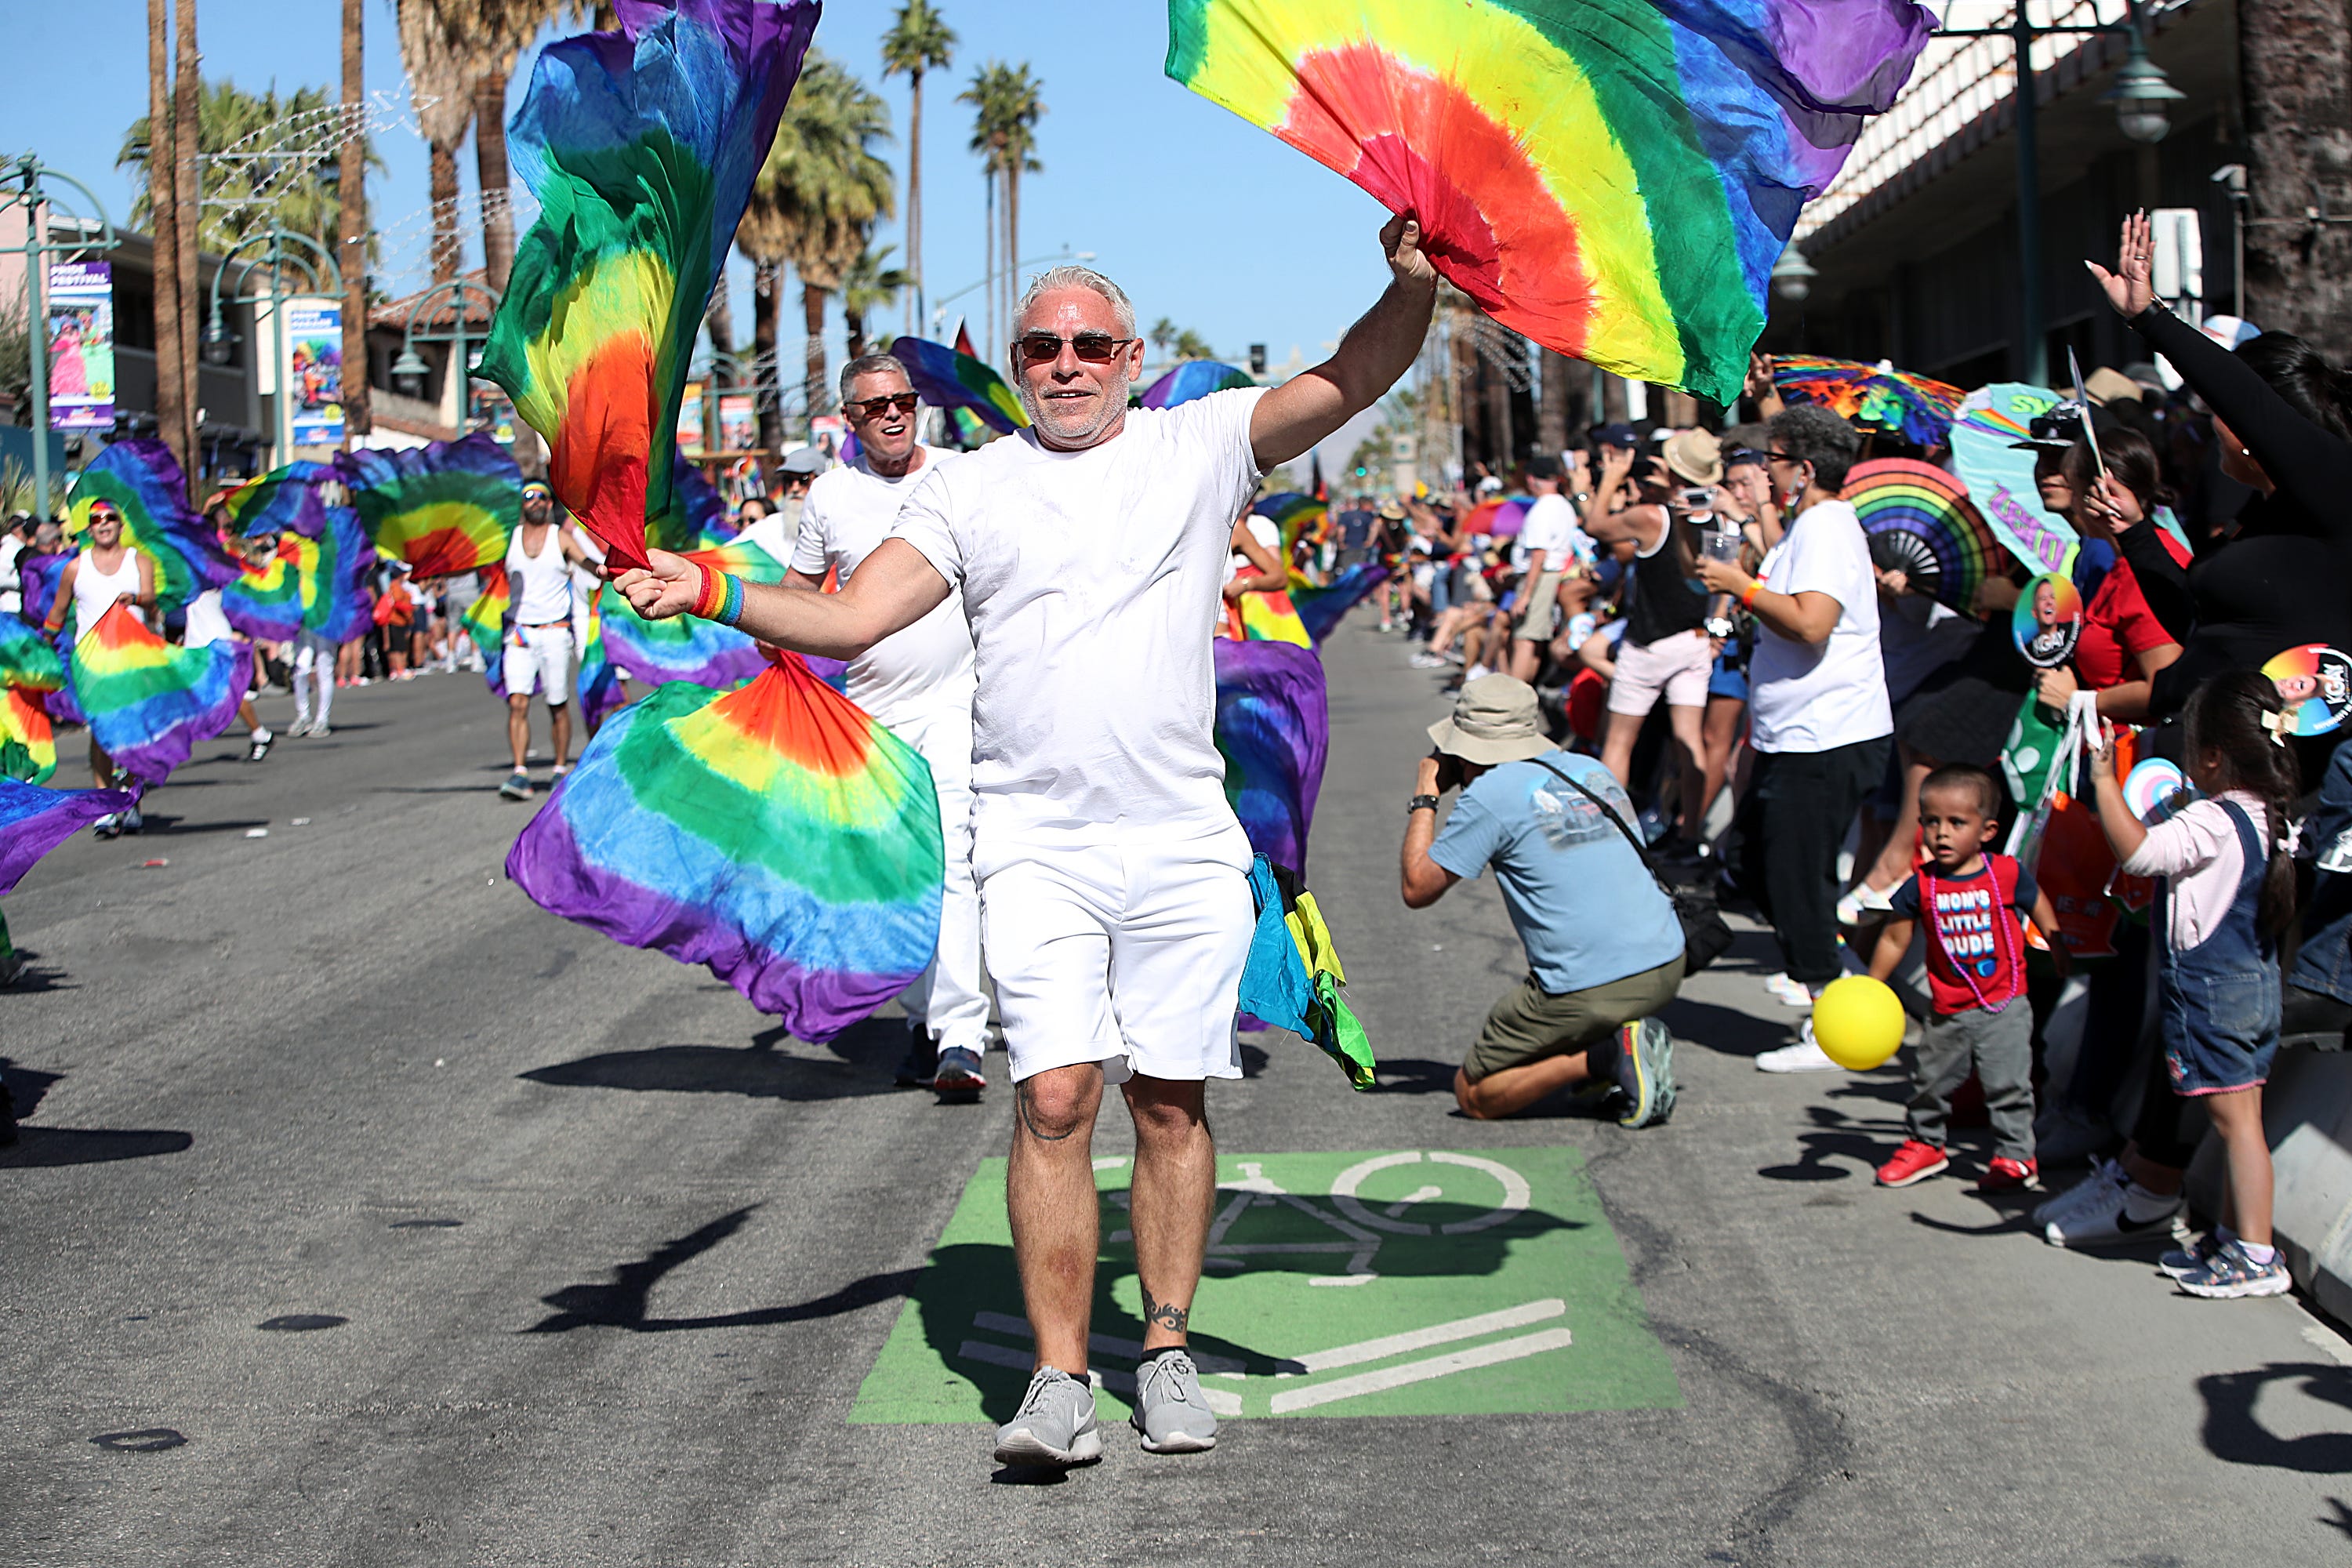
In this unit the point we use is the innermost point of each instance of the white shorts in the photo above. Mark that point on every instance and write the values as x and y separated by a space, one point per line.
1677 665
1126 954
539 659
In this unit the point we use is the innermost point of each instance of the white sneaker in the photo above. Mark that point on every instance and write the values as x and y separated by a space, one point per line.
1864 900
2104 1173
1477 671
1803 1057
2101 1221
1791 992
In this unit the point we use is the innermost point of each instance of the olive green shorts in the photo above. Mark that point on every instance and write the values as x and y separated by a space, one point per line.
1532 1023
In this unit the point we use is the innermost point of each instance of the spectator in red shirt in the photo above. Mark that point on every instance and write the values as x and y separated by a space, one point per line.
2123 644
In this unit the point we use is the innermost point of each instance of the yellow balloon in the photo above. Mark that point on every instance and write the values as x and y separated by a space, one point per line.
1858 1022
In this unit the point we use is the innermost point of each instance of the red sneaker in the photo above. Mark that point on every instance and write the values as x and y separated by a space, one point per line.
1915 1161
2008 1175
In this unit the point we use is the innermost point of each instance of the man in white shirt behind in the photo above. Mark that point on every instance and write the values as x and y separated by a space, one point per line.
1553 542
1091 550
918 683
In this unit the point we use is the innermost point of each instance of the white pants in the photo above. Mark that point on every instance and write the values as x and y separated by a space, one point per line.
314 666
948 997
1125 954
539 659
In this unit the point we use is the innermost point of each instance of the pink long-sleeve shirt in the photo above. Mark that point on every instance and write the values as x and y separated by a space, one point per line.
2197 852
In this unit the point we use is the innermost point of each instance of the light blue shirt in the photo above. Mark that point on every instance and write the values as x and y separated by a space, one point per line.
1587 910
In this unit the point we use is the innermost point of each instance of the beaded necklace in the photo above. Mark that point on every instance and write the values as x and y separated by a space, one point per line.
2001 924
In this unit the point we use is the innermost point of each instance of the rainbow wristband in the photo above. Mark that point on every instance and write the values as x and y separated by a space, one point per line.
720 598
1747 595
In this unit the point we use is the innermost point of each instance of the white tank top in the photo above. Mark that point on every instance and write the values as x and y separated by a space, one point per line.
95 590
208 621
542 583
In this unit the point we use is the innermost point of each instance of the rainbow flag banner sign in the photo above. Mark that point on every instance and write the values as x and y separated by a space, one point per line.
1612 178
150 703
641 146
775 834
33 821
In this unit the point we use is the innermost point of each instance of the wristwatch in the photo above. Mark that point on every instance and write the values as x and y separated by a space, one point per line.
1420 803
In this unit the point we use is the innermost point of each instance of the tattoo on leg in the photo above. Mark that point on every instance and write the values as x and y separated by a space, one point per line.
1166 1314
1021 1109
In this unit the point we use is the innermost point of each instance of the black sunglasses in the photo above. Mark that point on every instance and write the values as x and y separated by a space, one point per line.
1780 457
1093 348
872 407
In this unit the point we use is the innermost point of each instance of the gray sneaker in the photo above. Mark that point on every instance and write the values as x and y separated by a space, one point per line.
1646 1072
1055 1424
1169 1410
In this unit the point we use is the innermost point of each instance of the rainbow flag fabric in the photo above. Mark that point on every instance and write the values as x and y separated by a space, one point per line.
599 688
33 821
266 602
28 746
143 480
1273 729
485 621
946 379
641 146
27 657
446 508
775 834
1193 378
284 500
332 570
1319 606
1612 178
700 652
38 571
150 703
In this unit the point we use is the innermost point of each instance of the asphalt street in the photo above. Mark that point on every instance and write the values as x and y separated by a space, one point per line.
366 1215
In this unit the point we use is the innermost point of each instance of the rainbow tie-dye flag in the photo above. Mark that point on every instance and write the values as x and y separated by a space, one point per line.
957 382
33 821
1193 378
685 647
143 480
28 746
266 603
1319 606
150 703
641 146
284 500
27 657
1274 729
1612 178
334 572
445 508
601 690
775 834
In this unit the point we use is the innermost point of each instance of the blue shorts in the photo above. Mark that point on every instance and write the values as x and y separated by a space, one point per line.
1726 679
2220 1031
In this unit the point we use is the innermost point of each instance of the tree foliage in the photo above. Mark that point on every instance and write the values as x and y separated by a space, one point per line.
244 196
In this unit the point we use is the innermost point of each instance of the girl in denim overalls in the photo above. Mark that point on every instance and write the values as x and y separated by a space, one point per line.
2227 890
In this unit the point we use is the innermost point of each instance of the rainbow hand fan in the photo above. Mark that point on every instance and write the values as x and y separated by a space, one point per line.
143 480
1321 608
1921 522
685 647
641 146
283 500
1611 178
1273 730
445 508
1193 378
266 603
28 746
148 702
33 821
27 657
946 379
775 834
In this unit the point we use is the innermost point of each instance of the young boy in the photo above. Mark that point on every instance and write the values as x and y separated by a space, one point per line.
1976 973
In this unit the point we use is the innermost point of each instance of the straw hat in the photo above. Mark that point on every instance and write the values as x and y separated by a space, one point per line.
1495 720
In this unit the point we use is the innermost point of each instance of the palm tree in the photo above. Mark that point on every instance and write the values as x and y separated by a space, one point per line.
1005 112
1162 334
1190 344
307 200
867 285
814 203
919 41
441 84
988 137
495 33
1020 107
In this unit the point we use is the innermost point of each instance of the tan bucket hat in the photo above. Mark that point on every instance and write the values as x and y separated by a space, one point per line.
1695 457
1495 720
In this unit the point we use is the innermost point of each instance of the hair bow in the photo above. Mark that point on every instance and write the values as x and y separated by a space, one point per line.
2276 723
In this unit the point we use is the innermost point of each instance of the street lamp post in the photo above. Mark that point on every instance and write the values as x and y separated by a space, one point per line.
2140 95
322 276
23 184
410 366
939 305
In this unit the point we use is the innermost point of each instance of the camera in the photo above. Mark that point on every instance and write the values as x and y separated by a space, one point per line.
1697 498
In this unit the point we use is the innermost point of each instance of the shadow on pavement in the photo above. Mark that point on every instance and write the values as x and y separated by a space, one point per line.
621 1304
1835 1136
753 1071
37 1146
1727 1031
2235 1434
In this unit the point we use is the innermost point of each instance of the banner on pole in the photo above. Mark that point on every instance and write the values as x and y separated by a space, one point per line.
81 345
314 371
690 420
738 422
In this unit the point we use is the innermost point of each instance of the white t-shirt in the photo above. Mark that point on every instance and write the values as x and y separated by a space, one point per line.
206 621
1091 580
928 666
11 598
1550 526
1817 697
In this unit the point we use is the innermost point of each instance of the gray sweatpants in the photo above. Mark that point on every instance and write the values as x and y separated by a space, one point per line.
2000 1047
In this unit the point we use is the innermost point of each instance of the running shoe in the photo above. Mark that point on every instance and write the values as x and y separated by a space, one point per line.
958 1072
1646 1072
107 826
2105 1174
1055 1425
560 770
130 821
2105 1220
2232 1273
517 787
261 739
1912 1162
922 1058
1803 1057
2007 1175
1792 992
1862 901
1427 661
319 731
2183 1261
296 730
1169 1409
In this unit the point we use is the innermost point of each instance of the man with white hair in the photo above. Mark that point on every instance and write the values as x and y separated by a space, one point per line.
918 683
1091 549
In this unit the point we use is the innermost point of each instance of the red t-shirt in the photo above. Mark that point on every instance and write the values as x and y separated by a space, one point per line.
2119 626
1975 946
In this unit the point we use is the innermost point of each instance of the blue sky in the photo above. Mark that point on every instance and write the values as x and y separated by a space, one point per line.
1202 218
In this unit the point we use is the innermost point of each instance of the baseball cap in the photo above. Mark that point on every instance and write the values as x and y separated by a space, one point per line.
806 460
1616 435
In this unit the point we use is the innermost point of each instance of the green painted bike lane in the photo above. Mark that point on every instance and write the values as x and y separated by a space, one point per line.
1408 1283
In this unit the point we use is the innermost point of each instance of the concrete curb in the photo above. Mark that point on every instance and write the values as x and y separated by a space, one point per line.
2307 1112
